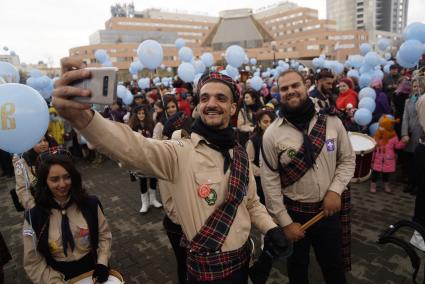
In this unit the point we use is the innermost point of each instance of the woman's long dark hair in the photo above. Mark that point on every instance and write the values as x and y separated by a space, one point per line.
43 196
160 116
148 123
259 115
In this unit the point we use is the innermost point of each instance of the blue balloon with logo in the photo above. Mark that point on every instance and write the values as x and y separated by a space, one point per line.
150 54
9 72
24 117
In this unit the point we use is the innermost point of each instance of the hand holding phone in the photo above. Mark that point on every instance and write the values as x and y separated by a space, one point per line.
102 84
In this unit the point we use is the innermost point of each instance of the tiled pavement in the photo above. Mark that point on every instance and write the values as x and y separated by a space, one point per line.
142 253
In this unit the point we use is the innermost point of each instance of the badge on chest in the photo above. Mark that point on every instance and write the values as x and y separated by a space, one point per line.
206 192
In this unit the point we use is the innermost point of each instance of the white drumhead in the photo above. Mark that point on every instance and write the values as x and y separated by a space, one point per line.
111 280
361 142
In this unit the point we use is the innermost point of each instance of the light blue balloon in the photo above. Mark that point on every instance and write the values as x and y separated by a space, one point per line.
208 59
33 83
383 44
415 31
232 71
372 59
134 67
253 61
353 73
318 62
404 63
365 80
144 83
169 69
387 69
378 74
128 98
373 128
363 116
411 51
338 68
44 81
180 43
185 54
121 91
365 48
186 72
256 83
150 54
101 56
356 60
46 92
199 66
367 92
9 72
295 64
265 74
35 73
24 119
235 56
367 103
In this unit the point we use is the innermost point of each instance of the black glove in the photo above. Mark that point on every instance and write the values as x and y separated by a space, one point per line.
260 271
101 273
276 244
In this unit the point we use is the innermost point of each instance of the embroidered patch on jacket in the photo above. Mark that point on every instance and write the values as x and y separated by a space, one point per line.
28 232
291 153
330 145
53 246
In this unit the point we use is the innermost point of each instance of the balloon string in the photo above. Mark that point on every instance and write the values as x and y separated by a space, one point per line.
21 166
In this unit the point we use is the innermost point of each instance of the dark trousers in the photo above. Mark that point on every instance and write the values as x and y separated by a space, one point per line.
325 236
6 163
175 233
260 191
419 162
375 174
238 277
144 184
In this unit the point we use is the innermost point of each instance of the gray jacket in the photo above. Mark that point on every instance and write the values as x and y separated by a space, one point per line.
411 126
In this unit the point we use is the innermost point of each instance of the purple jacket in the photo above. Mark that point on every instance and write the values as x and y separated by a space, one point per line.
382 106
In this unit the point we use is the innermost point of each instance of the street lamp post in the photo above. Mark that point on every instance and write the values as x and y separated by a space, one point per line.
274 48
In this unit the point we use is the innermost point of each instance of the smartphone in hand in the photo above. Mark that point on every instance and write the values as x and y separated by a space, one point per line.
102 84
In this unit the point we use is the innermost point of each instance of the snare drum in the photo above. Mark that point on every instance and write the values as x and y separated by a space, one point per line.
363 146
114 278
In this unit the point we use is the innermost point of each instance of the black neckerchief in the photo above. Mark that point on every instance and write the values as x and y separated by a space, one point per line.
300 118
221 140
66 230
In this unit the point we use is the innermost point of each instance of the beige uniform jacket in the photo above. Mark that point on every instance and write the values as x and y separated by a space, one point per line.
34 263
244 124
332 171
183 165
25 197
420 109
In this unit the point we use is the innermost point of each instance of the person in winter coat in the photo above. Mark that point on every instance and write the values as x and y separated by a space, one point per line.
347 97
411 130
384 158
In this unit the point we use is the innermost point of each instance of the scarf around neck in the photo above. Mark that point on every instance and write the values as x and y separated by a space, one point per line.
300 118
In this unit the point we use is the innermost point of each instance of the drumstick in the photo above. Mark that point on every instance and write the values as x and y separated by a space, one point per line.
313 220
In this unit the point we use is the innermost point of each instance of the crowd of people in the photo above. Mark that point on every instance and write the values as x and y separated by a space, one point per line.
223 157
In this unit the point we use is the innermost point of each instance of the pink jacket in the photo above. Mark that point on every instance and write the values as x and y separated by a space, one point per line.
384 158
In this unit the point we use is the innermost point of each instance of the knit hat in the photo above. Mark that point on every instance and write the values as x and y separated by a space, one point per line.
385 130
221 78
377 83
347 81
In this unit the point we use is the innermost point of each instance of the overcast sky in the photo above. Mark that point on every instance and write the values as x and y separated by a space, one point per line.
46 30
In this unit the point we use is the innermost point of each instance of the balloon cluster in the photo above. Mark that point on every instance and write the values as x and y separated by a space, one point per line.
9 73
124 94
102 57
412 49
367 105
42 83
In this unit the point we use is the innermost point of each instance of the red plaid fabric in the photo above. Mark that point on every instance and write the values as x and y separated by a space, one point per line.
297 168
344 215
206 262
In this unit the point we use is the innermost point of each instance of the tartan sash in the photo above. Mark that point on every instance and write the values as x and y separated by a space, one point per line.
297 168
344 216
204 250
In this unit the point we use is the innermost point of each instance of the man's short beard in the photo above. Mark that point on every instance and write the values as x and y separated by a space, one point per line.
286 107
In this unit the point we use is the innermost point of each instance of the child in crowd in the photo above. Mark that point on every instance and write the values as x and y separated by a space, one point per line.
384 158
142 122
